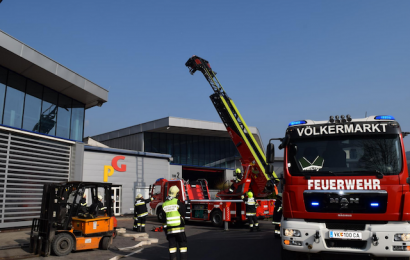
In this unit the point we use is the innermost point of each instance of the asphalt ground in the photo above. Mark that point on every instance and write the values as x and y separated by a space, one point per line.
204 242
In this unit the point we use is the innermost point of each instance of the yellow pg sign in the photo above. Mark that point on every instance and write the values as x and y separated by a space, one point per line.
109 169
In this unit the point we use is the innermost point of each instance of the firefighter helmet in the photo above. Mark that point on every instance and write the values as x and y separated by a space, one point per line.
238 170
99 197
250 194
173 191
139 195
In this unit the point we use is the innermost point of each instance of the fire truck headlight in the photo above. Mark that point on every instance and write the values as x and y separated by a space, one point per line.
402 237
292 233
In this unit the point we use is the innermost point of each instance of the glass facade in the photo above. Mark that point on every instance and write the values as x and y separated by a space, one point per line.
195 150
28 105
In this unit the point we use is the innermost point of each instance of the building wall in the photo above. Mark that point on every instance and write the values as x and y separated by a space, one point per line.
140 173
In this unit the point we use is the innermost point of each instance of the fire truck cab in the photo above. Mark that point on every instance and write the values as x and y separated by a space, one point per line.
346 188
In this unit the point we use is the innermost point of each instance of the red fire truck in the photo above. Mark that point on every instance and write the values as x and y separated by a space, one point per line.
258 176
346 189
196 196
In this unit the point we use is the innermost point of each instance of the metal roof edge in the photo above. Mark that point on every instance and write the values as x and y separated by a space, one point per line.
123 151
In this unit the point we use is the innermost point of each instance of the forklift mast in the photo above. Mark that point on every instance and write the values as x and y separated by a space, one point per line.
258 176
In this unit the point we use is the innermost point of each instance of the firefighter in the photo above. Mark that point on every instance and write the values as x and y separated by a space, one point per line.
140 213
96 207
174 224
251 206
277 214
238 178
83 205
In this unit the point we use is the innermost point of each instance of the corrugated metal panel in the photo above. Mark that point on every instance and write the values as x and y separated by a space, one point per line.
26 163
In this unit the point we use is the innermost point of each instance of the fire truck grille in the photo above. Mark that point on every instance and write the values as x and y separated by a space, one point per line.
354 244
346 226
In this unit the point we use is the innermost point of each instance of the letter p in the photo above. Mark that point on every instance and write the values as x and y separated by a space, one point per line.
108 171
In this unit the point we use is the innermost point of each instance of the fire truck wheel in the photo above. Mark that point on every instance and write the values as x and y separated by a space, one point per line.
160 215
286 255
62 244
216 218
105 243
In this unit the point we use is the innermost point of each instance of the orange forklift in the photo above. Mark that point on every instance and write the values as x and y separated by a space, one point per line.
66 225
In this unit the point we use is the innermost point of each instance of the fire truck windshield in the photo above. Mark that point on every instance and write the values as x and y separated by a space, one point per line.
345 155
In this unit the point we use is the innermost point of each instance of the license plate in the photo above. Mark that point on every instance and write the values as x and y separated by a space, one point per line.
266 212
345 235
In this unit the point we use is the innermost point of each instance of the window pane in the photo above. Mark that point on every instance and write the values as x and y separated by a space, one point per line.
183 149
77 121
206 150
177 152
63 116
3 82
48 118
155 143
147 142
201 151
170 144
13 112
163 143
32 106
195 156
189 149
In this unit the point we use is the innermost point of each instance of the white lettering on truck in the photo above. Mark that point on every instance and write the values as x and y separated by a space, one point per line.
341 129
347 184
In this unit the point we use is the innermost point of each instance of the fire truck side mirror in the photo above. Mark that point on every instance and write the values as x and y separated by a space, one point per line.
270 153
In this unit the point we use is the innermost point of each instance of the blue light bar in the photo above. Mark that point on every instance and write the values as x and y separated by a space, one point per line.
300 122
315 203
374 204
384 118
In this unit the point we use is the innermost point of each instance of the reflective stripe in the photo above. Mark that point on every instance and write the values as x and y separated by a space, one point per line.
83 204
135 218
135 226
251 225
172 218
139 224
256 224
173 222
279 209
139 204
250 203
183 249
173 250
275 223
143 214
143 225
175 231
165 226
250 214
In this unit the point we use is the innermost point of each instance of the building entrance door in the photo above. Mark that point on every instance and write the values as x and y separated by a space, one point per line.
116 197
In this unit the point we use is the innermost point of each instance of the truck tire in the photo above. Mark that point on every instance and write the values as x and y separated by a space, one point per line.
105 243
287 255
217 219
62 244
160 215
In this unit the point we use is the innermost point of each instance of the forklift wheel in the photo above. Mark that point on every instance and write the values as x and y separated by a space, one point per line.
63 244
105 243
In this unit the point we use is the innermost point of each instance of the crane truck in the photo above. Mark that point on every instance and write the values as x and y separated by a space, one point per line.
346 189
258 175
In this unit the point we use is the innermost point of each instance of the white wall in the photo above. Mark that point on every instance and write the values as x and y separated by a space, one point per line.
141 172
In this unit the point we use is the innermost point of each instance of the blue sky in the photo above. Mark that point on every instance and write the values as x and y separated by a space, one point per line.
279 61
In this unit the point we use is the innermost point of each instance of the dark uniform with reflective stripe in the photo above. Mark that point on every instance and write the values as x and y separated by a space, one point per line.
175 232
251 213
277 215
140 214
